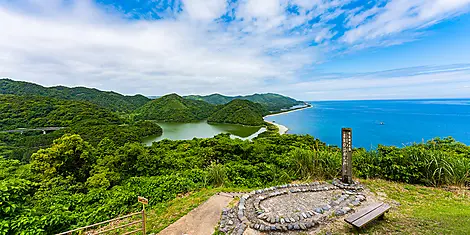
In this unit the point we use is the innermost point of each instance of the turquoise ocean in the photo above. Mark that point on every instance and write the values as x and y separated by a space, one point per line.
387 122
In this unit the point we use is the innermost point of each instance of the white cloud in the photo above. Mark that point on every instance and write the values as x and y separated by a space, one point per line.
401 15
398 84
150 57
78 42
260 8
205 9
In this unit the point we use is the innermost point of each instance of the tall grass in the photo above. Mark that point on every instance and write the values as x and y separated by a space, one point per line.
430 164
316 164
418 163
441 168
217 174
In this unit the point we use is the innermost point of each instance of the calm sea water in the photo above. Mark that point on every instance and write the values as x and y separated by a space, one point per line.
405 121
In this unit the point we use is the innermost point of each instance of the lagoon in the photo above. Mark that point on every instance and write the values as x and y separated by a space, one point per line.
187 131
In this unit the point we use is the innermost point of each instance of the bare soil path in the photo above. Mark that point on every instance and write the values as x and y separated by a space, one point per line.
202 220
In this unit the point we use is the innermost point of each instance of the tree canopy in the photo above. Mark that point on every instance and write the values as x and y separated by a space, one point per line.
272 102
107 99
35 111
239 112
174 108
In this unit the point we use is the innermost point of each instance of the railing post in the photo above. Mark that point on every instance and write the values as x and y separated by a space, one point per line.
143 220
144 201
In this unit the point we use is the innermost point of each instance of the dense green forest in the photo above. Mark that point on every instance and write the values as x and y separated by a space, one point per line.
91 121
239 112
74 183
107 99
174 108
272 102
30 112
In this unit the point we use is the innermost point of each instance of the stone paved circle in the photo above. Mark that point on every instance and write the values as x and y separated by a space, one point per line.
291 207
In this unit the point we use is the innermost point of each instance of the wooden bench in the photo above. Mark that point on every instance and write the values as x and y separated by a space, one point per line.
368 214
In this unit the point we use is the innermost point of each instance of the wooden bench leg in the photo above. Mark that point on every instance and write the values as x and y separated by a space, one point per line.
382 217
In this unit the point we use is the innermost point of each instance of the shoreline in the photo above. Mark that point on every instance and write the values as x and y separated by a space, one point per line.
283 129
288 111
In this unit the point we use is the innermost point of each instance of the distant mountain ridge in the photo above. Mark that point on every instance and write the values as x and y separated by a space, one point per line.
107 99
271 101
216 108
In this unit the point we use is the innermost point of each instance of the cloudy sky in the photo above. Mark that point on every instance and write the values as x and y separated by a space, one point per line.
307 49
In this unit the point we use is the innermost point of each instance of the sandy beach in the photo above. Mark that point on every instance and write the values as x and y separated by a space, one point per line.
283 129
295 110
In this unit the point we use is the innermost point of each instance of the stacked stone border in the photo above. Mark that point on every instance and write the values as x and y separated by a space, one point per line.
249 212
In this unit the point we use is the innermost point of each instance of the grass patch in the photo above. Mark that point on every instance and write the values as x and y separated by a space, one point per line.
417 210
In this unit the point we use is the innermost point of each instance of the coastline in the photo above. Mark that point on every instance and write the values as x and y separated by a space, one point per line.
283 129
289 111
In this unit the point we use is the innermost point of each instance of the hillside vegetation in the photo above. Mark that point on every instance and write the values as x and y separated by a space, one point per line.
34 111
50 194
107 99
239 112
89 120
272 102
174 108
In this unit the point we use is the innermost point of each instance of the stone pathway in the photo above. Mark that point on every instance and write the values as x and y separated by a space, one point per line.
291 208
203 219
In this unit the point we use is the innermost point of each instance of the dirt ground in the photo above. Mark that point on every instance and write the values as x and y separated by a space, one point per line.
202 220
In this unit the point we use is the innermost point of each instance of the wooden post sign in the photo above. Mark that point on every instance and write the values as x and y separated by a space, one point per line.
143 200
346 173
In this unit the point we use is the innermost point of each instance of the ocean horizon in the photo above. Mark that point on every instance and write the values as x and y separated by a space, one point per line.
397 122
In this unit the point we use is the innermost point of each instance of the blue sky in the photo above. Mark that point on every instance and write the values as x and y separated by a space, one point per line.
307 49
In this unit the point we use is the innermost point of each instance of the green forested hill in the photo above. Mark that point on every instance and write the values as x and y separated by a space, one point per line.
212 99
272 102
92 122
35 111
111 100
239 112
174 108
